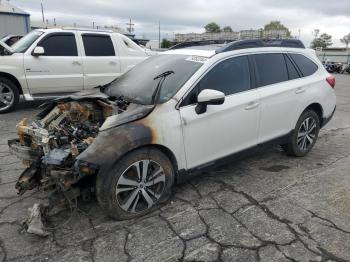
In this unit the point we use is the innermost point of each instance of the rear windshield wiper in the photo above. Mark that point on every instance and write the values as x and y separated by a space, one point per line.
162 76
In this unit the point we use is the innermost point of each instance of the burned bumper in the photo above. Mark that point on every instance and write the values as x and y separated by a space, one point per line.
64 148
23 152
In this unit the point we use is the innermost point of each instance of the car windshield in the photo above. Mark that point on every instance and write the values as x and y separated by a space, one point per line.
25 42
4 38
139 84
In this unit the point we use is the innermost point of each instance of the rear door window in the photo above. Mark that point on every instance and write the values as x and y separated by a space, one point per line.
60 45
98 45
271 69
305 65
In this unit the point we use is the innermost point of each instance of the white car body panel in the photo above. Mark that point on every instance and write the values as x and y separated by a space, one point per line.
222 130
283 103
53 74
166 126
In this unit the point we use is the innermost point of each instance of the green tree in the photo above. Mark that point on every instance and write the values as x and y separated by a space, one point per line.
212 28
166 43
346 40
276 25
227 29
324 41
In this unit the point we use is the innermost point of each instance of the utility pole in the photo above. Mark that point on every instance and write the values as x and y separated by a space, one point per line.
93 25
42 12
130 27
159 34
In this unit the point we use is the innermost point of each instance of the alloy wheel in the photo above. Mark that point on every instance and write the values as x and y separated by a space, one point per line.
6 96
307 134
140 186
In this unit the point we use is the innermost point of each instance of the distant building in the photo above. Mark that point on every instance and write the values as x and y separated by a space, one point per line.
226 36
334 54
232 36
250 34
13 21
277 33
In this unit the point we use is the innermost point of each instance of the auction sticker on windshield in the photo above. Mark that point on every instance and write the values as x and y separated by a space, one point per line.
196 58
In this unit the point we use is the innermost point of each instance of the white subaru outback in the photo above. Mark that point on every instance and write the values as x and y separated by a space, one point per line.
53 62
172 116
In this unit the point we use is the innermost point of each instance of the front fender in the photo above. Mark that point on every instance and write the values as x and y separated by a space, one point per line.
111 144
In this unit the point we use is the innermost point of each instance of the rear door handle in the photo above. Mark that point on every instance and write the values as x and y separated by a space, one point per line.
300 90
112 63
252 105
76 63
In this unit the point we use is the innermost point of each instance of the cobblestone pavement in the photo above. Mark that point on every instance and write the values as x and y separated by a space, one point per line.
268 207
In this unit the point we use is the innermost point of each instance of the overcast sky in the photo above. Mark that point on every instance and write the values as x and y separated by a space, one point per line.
184 16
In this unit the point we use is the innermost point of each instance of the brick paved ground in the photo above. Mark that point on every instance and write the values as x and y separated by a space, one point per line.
268 207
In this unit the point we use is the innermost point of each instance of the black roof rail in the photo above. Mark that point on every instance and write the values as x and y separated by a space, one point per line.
255 43
196 43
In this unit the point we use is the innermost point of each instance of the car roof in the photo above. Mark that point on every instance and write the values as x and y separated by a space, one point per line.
196 51
73 29
191 51
210 48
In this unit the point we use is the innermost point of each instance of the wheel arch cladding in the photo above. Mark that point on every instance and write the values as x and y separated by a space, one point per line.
317 108
166 151
13 79
110 145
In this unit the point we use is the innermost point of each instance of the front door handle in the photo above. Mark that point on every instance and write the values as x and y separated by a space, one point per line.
252 105
76 63
112 63
300 90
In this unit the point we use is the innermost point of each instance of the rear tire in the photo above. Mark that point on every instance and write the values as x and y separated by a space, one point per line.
304 136
127 192
9 95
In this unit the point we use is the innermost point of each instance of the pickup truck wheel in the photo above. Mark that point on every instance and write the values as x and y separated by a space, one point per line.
136 185
9 95
304 136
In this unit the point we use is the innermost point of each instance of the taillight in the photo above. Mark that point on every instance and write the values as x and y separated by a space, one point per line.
331 81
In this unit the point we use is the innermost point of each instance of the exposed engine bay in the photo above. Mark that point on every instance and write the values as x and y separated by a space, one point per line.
49 146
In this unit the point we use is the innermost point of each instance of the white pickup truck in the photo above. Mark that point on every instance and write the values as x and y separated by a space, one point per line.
52 62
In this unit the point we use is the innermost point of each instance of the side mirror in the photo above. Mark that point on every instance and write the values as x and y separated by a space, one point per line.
38 51
209 97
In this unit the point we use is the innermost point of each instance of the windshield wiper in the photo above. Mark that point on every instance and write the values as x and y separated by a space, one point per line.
162 76
165 74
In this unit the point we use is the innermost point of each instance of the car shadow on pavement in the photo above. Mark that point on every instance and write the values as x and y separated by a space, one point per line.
24 105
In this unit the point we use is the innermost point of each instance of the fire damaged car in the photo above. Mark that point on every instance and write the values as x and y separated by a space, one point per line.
169 117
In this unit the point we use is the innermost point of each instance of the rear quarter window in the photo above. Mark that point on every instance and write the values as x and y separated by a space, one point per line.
305 65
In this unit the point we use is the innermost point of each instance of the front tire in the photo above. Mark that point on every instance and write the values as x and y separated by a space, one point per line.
9 95
304 136
136 185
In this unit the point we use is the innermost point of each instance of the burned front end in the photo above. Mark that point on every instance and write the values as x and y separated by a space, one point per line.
49 146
